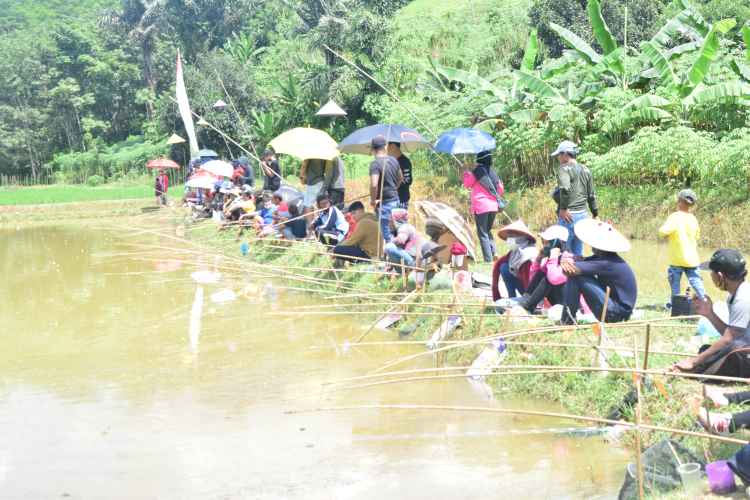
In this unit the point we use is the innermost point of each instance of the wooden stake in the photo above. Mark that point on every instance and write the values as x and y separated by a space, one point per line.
638 414
648 345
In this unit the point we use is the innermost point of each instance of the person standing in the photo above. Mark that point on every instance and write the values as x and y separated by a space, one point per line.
271 171
683 231
161 186
404 194
486 200
334 185
385 179
574 193
312 176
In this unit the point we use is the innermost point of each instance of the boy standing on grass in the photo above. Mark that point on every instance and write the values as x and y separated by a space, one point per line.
682 230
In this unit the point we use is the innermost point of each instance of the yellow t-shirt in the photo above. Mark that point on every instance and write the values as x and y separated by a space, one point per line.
683 232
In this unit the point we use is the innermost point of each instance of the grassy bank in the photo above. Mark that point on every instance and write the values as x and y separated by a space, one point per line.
77 193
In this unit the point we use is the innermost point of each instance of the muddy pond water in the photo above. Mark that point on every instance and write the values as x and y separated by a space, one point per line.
103 394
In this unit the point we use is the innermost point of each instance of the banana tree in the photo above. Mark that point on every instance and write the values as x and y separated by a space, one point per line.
689 89
612 61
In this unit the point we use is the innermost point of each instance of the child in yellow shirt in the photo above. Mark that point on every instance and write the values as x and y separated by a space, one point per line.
682 230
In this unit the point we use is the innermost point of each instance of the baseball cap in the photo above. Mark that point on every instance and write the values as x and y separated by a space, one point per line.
378 142
688 195
566 147
726 261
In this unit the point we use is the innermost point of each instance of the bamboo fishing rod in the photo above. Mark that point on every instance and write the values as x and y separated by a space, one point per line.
534 370
509 411
560 345
513 334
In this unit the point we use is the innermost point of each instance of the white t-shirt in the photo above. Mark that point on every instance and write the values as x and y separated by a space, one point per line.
739 314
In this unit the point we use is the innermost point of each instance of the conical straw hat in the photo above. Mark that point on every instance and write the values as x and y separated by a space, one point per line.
518 226
601 235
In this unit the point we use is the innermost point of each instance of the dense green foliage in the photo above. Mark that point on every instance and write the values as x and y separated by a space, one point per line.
87 90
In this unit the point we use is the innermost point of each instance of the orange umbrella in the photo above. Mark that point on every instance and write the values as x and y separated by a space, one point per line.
162 163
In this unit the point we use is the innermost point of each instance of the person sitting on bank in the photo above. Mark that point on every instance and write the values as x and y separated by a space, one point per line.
515 266
335 182
548 280
402 249
728 355
592 276
293 224
364 243
724 422
330 226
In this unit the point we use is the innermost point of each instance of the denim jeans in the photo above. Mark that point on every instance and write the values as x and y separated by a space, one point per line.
484 231
398 255
595 295
574 245
693 274
512 284
384 215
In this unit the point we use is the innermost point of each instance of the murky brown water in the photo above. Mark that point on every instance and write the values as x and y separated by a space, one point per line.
102 396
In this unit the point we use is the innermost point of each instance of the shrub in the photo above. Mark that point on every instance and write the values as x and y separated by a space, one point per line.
95 180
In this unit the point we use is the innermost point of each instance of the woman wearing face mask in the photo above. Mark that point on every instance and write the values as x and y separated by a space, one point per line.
548 279
515 267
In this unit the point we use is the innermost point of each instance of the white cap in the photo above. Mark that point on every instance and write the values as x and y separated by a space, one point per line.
566 147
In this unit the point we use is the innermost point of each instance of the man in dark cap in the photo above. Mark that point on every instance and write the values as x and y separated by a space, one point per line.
385 179
728 273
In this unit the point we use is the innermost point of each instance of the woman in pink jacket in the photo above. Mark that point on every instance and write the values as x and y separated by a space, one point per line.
486 200
548 277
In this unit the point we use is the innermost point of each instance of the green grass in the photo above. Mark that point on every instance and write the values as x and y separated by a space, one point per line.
63 193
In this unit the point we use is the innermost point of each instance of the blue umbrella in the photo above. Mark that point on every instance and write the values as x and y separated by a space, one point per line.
459 141
359 141
207 153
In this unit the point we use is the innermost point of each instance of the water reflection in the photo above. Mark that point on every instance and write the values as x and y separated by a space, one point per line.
102 396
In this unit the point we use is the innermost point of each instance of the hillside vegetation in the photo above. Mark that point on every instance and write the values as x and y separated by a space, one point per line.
86 89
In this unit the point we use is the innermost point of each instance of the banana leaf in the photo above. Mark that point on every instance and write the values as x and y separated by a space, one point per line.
709 53
577 43
692 18
529 55
525 115
682 49
554 67
612 62
660 62
647 101
469 79
601 30
740 70
539 87
495 109
746 38
718 93
682 23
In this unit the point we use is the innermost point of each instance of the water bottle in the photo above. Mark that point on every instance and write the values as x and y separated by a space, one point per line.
490 358
244 248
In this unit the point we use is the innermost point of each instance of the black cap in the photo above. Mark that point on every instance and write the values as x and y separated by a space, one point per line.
728 262
355 205
378 142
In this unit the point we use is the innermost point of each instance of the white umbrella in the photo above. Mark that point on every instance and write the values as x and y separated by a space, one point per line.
218 167
201 182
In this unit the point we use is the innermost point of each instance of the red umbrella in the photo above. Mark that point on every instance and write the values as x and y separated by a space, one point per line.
162 163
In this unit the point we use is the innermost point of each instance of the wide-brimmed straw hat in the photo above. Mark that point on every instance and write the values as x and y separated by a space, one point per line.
602 236
519 227
555 232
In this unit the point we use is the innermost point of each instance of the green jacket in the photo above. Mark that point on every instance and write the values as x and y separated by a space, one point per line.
576 187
